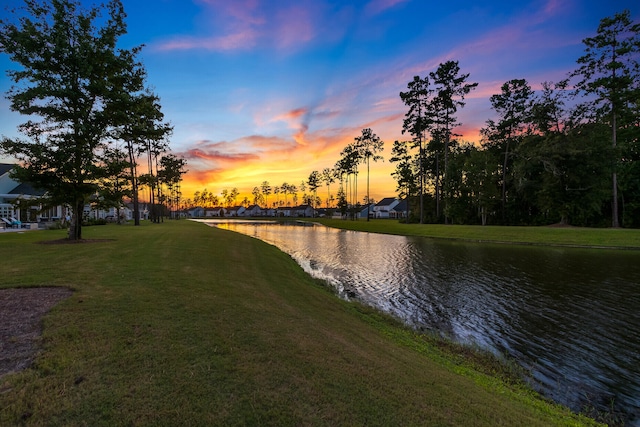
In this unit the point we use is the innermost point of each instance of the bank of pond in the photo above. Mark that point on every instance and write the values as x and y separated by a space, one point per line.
568 316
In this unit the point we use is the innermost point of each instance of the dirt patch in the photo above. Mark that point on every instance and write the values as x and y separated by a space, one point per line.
21 312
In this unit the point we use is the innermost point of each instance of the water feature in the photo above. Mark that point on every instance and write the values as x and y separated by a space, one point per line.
570 316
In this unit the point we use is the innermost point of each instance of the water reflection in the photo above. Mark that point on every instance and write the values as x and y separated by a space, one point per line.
570 316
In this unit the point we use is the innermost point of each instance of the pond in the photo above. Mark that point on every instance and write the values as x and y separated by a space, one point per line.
569 316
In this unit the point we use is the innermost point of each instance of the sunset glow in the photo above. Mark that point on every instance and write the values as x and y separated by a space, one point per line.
262 90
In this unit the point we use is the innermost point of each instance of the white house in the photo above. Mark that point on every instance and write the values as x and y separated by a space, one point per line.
12 192
217 211
283 211
254 210
305 211
400 210
197 212
236 211
383 208
367 210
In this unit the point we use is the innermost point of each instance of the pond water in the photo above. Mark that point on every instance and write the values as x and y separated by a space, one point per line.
570 316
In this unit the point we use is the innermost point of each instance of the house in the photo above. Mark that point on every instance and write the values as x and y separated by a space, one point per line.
366 210
399 211
283 211
323 212
383 208
143 210
217 211
254 210
13 192
305 211
197 212
236 211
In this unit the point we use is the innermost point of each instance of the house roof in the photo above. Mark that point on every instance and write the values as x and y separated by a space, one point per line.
386 201
5 167
400 207
26 188
23 188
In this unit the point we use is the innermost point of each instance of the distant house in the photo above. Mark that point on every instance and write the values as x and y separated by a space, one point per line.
143 211
399 211
323 212
283 211
366 210
383 208
197 212
236 211
305 211
254 210
215 212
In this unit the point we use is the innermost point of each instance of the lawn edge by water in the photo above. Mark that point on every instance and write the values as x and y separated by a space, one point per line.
569 237
168 324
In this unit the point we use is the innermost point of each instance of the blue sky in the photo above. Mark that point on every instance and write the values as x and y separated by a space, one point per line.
271 90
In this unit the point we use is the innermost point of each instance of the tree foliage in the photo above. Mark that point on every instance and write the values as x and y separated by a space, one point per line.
81 93
609 71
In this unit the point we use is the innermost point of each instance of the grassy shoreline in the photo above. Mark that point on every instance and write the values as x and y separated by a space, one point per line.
597 238
181 324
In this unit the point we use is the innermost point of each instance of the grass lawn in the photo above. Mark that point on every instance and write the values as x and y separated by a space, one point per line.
182 324
621 238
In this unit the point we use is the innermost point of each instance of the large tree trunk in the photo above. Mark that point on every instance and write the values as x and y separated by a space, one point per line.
134 184
614 178
75 227
504 182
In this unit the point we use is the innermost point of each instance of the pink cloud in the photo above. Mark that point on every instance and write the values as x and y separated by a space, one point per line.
244 11
292 114
244 40
246 24
219 156
294 27
375 7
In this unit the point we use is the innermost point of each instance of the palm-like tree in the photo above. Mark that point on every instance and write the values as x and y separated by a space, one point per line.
328 177
369 145
266 190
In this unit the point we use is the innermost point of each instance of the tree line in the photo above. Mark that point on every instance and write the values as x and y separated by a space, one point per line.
91 113
566 154
362 151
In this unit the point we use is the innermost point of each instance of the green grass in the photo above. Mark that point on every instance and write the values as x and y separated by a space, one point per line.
557 236
182 324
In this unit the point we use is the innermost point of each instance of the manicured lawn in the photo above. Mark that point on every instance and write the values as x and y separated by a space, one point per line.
182 324
569 236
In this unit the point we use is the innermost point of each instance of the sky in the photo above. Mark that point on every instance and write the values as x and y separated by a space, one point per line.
271 90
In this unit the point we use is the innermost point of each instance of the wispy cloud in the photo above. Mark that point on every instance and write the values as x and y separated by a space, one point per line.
294 26
218 156
238 41
300 132
375 7
248 24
